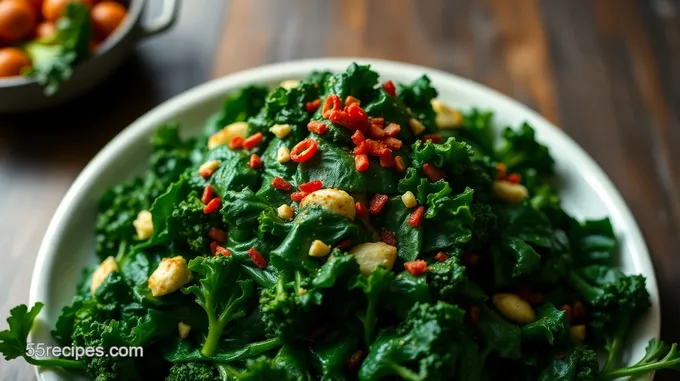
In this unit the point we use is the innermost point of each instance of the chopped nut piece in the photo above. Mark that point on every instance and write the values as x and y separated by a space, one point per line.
144 225
280 130
283 155
373 254
507 191
416 126
208 168
514 308
319 249
225 135
286 212
170 275
409 199
289 84
336 201
183 330
102 272
447 117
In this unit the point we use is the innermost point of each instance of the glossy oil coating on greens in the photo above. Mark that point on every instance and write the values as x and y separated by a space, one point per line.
410 245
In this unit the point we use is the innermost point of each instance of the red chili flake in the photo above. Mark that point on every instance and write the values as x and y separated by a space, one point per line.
376 148
417 216
392 129
559 356
298 196
350 100
317 127
219 250
514 178
389 88
252 141
213 247
236 142
313 105
332 102
432 173
386 161
339 117
474 315
434 138
361 149
441 256
361 162
361 209
311 186
392 143
399 164
377 121
579 310
217 234
377 203
568 312
501 171
255 161
388 237
417 267
357 117
358 137
344 244
304 150
281 184
355 359
212 206
257 258
470 259
208 192
376 132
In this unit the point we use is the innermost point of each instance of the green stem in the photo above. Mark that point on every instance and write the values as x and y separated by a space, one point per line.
369 322
227 373
638 370
615 346
406 373
62 363
214 331
582 287
249 350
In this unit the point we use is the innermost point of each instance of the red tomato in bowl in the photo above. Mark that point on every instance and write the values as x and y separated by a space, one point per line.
12 61
17 20
106 18
53 9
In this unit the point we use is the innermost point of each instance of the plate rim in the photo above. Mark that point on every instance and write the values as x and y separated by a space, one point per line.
606 191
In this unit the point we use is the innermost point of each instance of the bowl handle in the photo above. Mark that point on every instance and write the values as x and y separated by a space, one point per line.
163 21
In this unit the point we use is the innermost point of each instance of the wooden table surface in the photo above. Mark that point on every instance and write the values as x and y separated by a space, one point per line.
605 71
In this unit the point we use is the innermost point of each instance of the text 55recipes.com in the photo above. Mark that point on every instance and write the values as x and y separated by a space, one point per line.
77 352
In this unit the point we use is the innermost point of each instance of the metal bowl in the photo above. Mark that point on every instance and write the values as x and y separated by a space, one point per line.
22 94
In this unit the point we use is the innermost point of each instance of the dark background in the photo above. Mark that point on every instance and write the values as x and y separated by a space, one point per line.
605 71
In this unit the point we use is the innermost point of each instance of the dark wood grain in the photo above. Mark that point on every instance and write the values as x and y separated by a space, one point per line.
605 71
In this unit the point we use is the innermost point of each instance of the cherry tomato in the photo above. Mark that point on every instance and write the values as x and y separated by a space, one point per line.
45 29
53 9
106 17
37 5
17 20
12 60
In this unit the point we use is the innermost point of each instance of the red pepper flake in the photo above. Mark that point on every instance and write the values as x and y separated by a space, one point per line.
344 244
392 129
470 259
304 150
515 178
317 127
313 105
501 171
377 203
434 138
339 117
361 209
389 88
568 312
361 149
361 162
579 310
441 256
350 100
417 216
417 267
378 121
332 102
311 186
432 173
399 164
358 119
257 258
376 148
213 247
388 237
255 161
392 143
298 196
212 206
217 234
376 132
281 184
208 193
252 141
386 161
236 143
355 359
474 315
219 250
358 138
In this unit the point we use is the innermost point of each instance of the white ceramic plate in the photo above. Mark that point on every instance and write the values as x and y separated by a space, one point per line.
69 245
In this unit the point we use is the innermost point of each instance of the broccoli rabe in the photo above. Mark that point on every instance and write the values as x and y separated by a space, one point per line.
191 224
576 364
192 371
448 281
